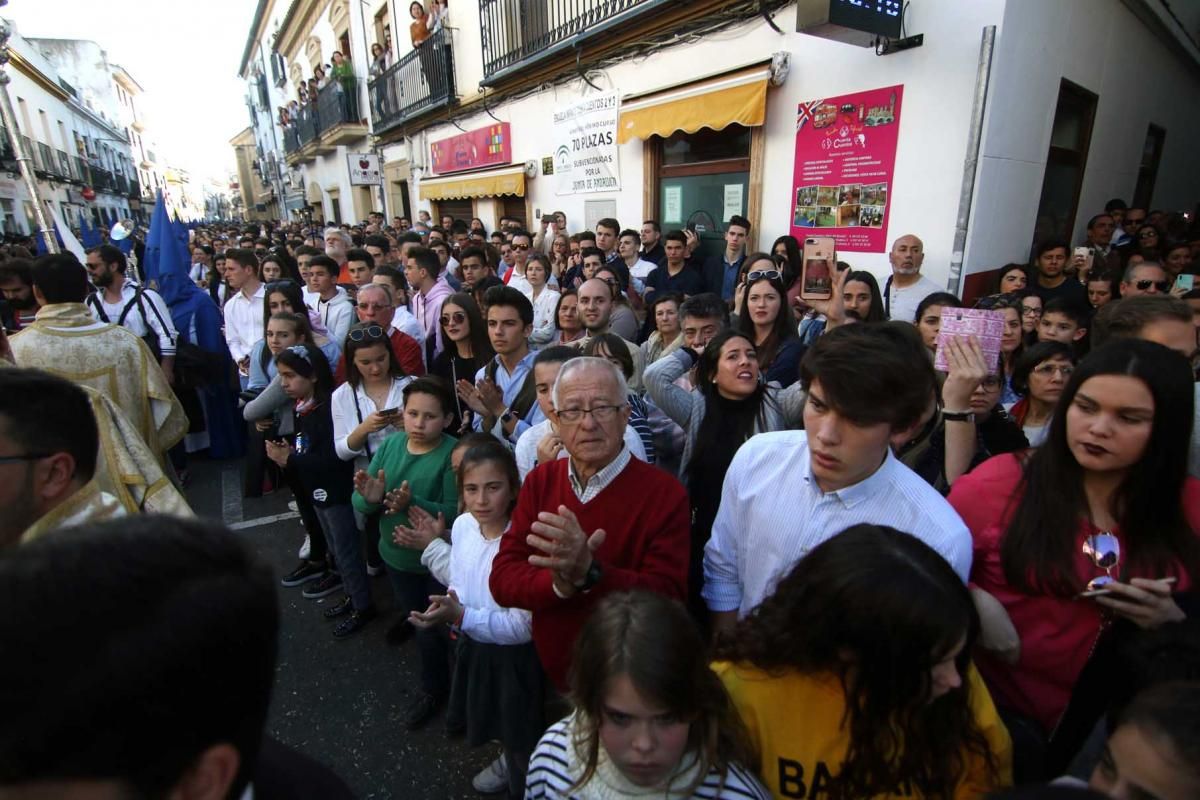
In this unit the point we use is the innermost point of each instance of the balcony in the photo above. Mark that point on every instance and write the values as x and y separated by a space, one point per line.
79 168
31 151
46 161
421 81
517 33
64 165
102 179
135 190
122 184
320 127
291 139
6 149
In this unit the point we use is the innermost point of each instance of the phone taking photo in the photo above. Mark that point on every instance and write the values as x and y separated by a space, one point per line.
820 260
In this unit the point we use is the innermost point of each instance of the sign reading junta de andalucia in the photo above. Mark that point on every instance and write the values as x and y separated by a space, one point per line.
585 137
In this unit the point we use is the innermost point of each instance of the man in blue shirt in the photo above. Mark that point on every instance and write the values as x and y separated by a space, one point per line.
720 272
503 396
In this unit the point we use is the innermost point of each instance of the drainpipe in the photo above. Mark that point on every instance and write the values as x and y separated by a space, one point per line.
971 163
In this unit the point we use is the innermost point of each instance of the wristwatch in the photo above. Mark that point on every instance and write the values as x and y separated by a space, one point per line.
592 577
507 416
958 416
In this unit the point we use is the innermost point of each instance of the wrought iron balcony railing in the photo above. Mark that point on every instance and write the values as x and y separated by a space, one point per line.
420 81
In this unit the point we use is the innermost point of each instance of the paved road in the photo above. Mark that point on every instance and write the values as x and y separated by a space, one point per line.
340 702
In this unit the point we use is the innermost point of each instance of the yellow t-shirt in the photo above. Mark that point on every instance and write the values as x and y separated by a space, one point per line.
795 721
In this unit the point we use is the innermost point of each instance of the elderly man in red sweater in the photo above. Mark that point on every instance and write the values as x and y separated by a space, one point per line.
597 522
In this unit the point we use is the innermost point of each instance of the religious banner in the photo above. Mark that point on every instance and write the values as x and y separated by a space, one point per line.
845 156
476 149
585 139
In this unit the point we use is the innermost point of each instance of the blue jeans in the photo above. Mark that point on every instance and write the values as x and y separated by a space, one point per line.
412 590
344 538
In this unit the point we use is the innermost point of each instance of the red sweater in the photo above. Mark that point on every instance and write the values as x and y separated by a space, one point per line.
1057 634
644 513
404 348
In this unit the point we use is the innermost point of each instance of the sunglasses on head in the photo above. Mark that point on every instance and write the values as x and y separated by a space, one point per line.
457 317
769 274
1143 285
369 332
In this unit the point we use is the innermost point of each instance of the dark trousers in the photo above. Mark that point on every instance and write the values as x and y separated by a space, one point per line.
518 766
371 531
412 591
318 549
256 463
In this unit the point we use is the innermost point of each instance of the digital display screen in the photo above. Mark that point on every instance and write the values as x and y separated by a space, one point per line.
880 17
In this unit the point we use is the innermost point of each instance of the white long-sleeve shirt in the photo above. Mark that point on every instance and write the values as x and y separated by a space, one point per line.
484 620
350 406
544 323
244 322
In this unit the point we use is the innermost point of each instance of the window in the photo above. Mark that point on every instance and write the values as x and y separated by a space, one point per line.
1066 161
703 179
1152 150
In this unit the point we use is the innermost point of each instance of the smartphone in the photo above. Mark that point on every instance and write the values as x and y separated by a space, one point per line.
820 260
547 218
1086 254
1185 282
389 412
986 326
1103 592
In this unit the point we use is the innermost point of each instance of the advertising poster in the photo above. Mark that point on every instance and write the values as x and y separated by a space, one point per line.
585 145
475 149
364 169
845 155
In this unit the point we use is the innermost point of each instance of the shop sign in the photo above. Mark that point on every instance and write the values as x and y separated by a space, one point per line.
482 147
585 145
364 169
845 158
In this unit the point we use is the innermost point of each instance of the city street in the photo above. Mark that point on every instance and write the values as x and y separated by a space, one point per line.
338 701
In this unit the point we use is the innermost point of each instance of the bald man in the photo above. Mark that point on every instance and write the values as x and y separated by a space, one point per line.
906 287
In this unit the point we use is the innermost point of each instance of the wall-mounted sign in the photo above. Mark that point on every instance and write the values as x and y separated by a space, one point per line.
548 165
364 169
482 147
845 155
585 145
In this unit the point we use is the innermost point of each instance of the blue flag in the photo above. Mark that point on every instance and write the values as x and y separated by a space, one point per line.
89 237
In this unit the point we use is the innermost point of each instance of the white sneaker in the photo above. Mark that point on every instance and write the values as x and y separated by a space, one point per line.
292 506
305 548
493 779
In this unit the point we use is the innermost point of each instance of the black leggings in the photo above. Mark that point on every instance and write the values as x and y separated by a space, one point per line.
318 550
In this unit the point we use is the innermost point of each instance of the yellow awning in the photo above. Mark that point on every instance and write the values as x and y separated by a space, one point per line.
715 103
510 180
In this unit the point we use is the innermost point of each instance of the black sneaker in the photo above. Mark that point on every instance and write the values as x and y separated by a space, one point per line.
344 606
353 623
399 633
306 572
330 584
421 710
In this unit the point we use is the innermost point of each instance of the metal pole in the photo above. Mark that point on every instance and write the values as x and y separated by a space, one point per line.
10 122
974 136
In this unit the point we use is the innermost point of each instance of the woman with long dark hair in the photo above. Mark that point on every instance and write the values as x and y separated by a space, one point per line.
467 350
856 675
650 718
764 317
790 258
729 405
861 298
929 317
1104 504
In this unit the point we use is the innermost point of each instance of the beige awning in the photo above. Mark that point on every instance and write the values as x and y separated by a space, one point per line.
490 183
735 97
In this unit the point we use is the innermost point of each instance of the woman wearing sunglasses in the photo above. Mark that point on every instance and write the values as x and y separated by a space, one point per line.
1106 496
467 350
765 318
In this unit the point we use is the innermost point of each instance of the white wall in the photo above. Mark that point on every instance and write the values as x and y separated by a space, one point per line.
1101 46
938 83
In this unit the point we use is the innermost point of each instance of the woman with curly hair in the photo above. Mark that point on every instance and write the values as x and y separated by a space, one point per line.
855 678
650 720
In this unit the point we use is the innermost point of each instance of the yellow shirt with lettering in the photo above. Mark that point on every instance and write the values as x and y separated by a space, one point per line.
796 722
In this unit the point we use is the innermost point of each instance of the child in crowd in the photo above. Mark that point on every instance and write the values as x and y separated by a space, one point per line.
413 469
651 718
854 677
498 685
325 479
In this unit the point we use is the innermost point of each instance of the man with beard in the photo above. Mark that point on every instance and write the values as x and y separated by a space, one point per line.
595 312
906 287
123 302
16 288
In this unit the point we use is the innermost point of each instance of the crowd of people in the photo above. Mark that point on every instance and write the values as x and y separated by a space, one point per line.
652 520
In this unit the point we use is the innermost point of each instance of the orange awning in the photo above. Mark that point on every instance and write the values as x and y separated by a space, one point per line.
492 183
735 97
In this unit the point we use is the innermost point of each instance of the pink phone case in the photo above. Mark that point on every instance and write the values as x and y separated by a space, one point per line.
986 326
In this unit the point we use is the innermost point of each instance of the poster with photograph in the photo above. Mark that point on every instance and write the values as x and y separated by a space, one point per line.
845 157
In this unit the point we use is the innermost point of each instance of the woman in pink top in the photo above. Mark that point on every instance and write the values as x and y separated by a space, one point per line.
1105 497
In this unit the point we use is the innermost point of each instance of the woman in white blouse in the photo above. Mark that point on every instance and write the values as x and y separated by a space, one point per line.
544 299
367 407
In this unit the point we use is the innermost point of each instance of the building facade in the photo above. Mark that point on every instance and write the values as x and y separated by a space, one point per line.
253 192
1010 121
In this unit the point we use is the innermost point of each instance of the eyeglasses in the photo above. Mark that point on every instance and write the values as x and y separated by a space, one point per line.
1104 549
457 317
375 306
759 274
369 332
1031 311
1143 285
26 457
601 414
1047 370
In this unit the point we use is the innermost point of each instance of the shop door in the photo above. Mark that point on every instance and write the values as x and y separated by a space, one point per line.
703 180
459 209
515 207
